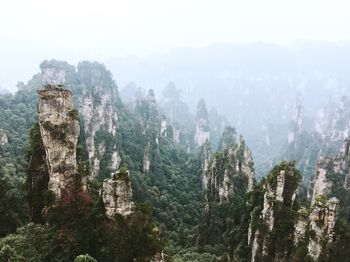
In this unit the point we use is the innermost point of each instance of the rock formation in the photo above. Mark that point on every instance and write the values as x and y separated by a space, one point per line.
333 124
329 167
98 107
227 172
202 124
301 226
296 125
280 190
169 130
146 158
206 158
153 128
307 144
59 128
322 223
117 194
3 137
97 99
176 134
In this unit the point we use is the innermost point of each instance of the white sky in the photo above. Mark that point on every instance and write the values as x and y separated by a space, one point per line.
107 28
96 30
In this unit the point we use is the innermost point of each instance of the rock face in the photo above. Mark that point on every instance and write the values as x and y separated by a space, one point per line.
202 124
98 108
322 223
228 172
206 158
53 76
146 159
97 99
227 175
307 144
280 190
333 124
153 127
301 226
296 125
320 184
329 167
271 196
59 128
117 194
3 137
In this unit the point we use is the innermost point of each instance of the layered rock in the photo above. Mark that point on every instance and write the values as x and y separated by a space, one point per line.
322 223
117 194
59 128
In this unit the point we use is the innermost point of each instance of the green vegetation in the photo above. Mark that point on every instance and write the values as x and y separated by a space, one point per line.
170 211
74 114
84 258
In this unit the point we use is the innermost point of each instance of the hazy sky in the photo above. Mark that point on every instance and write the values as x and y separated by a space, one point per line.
83 29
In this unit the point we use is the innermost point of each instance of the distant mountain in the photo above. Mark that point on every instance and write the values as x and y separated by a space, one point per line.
257 81
256 86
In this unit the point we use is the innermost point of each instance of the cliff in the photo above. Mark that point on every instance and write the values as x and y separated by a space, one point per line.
331 173
117 194
59 128
202 124
296 124
269 229
322 224
96 96
310 140
98 106
227 172
227 176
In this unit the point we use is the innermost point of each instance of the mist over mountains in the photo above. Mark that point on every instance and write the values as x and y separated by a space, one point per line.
250 83
264 172
255 86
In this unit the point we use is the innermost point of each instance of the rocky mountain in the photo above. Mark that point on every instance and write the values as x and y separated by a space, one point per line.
133 176
65 187
136 132
229 171
228 175
269 228
320 136
59 130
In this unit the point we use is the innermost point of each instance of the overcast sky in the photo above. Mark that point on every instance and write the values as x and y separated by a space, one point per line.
97 30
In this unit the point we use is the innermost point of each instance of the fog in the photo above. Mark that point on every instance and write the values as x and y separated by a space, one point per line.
251 60
31 31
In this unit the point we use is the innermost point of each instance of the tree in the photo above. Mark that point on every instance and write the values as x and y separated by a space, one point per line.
84 258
